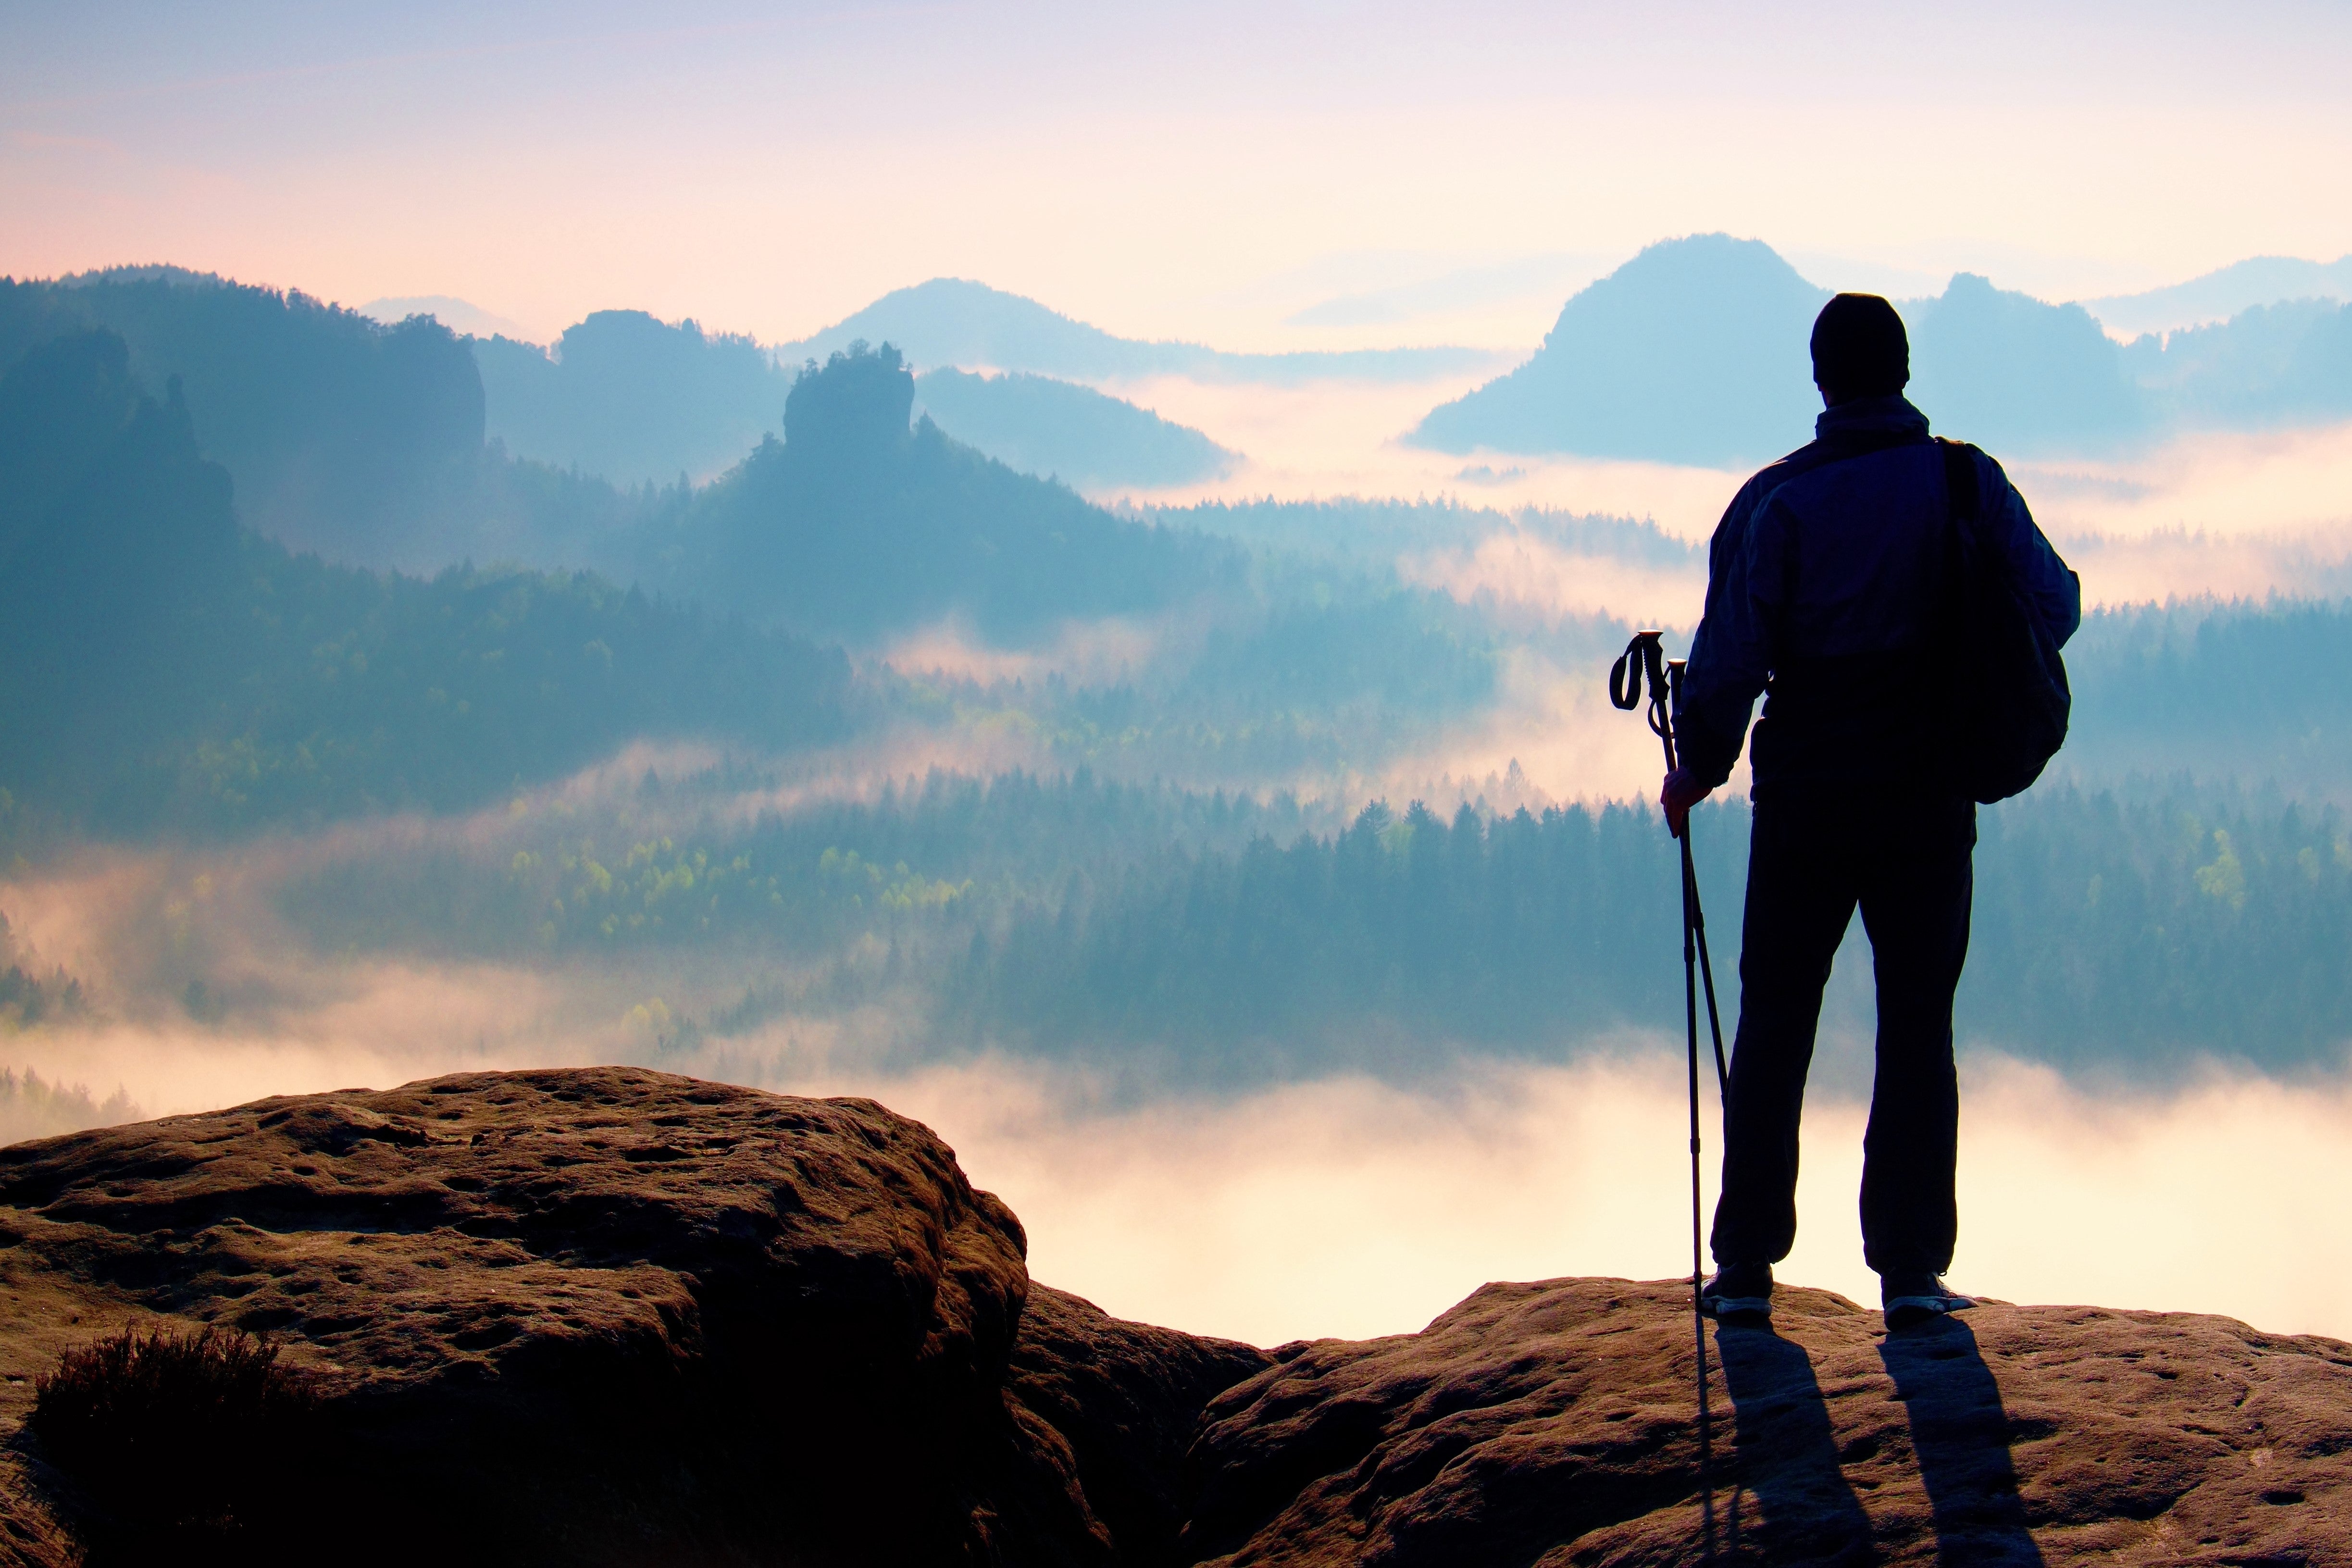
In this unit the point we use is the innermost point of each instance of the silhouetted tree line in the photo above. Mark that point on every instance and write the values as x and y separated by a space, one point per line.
1522 931
945 849
2105 931
27 997
2138 931
2246 690
1280 688
1235 938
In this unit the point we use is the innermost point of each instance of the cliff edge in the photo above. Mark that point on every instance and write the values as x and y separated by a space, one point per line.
609 1316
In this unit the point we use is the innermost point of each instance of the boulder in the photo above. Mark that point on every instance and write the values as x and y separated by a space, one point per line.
604 1316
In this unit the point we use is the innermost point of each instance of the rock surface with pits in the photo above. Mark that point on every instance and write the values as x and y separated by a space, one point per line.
1555 1424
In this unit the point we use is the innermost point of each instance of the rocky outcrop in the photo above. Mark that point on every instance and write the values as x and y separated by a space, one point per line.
1554 1423
610 1316
614 1317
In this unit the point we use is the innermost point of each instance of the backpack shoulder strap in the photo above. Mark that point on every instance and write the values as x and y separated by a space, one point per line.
1960 478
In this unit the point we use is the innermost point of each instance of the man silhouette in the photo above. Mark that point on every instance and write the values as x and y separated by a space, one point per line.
1825 584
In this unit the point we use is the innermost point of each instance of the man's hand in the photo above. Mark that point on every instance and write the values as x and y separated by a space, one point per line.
1678 795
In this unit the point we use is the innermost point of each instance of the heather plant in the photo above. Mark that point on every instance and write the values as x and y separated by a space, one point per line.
175 1433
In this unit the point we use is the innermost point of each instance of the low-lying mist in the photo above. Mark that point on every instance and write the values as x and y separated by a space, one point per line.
2210 514
1346 1205
1339 437
1518 574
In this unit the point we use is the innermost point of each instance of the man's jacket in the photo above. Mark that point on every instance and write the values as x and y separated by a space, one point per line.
1824 582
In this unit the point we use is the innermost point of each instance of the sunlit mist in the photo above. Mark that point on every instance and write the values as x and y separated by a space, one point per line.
1352 1208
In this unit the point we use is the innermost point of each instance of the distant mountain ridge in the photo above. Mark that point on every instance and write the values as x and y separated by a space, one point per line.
1995 366
632 398
2225 292
954 321
1065 431
636 400
1695 352
1681 355
339 431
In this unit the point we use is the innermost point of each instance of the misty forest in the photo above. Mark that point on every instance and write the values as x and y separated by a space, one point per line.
792 683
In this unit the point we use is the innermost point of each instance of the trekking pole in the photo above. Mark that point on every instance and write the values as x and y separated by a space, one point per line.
1642 665
1644 656
1674 667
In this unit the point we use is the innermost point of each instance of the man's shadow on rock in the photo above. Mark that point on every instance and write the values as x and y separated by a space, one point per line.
1790 1459
1960 1433
1788 1455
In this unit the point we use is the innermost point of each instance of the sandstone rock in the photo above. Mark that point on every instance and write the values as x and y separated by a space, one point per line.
1127 1398
589 1316
1554 1423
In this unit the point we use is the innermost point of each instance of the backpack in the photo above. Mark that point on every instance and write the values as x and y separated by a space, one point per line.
2004 685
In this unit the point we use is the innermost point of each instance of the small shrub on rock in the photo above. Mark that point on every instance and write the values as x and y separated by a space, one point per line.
174 1431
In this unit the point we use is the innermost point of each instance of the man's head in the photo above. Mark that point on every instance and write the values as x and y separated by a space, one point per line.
1860 349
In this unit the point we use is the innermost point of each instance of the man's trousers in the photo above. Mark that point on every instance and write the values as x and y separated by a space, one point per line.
1813 857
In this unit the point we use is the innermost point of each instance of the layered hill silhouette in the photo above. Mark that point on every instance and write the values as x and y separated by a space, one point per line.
1683 354
1040 426
340 433
634 400
394 443
858 523
161 664
2214 297
1695 352
367 441
360 441
610 1316
953 321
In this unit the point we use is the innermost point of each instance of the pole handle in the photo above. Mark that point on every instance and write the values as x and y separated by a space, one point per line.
1643 660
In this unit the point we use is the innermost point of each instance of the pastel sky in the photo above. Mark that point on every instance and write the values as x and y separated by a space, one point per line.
1255 174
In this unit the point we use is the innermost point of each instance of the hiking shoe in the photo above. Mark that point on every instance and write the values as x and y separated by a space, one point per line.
1738 1291
1910 1298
